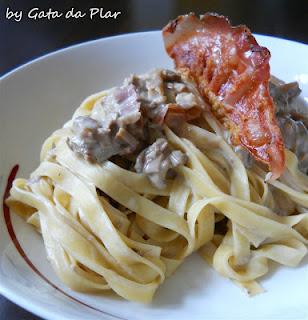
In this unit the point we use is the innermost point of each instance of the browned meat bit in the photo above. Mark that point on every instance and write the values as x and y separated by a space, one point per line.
295 135
120 105
91 141
158 161
129 118
283 94
128 141
292 117
115 127
162 92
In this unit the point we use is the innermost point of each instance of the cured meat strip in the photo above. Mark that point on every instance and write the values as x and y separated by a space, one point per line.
232 74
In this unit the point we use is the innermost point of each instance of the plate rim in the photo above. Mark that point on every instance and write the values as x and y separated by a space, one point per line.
122 35
9 293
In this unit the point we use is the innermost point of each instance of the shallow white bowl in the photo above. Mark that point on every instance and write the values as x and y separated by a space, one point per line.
38 98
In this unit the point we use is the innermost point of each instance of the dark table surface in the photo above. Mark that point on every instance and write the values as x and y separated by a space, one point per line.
22 41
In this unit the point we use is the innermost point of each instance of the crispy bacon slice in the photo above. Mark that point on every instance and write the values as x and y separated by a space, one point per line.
232 74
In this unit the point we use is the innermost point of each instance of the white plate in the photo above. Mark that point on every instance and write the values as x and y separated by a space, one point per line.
38 98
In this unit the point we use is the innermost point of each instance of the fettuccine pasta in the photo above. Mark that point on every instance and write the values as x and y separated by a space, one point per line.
106 227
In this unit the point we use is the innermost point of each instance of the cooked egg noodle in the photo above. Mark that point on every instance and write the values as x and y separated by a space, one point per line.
131 244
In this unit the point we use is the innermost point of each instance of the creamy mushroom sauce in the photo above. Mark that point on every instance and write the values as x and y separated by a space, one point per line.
158 162
292 117
128 120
